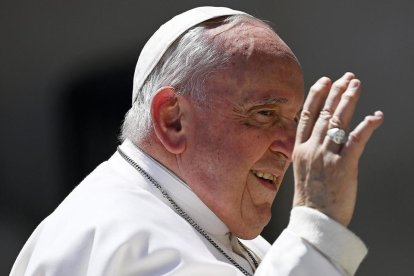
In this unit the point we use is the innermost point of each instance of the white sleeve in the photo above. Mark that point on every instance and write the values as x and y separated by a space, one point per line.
313 244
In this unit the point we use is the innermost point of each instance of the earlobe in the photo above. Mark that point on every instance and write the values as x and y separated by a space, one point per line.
166 114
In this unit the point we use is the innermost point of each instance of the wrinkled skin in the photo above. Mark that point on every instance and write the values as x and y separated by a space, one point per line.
247 126
245 131
326 174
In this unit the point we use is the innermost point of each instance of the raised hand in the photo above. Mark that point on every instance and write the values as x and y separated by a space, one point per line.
326 173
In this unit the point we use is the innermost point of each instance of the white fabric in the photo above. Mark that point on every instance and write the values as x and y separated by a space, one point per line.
322 232
116 223
162 39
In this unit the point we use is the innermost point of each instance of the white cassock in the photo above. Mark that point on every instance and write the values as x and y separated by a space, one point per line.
117 223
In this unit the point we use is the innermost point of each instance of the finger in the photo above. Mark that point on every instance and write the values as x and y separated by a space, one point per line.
344 112
322 123
360 136
338 88
311 107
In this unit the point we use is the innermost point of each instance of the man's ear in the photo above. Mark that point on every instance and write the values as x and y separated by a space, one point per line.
166 114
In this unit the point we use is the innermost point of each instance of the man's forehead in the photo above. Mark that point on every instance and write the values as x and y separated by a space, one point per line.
257 85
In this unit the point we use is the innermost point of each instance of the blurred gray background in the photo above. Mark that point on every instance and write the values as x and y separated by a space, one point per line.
65 84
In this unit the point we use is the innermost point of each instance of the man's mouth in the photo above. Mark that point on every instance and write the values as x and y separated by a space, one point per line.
266 176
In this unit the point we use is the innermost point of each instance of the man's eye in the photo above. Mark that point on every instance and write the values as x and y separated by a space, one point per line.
265 117
267 113
262 116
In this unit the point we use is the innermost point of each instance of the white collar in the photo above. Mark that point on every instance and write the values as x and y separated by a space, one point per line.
179 191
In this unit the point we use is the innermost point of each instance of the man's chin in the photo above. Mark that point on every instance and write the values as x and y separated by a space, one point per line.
250 231
248 234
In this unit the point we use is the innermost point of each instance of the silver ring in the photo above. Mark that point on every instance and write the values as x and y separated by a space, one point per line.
337 135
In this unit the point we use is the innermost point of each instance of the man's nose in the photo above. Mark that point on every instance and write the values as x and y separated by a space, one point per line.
284 138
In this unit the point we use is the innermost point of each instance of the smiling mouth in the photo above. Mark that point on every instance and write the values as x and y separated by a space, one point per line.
268 177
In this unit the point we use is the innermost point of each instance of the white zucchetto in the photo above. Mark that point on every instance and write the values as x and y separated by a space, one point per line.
162 39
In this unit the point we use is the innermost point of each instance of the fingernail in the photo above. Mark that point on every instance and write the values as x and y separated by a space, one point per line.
324 81
379 113
349 74
354 84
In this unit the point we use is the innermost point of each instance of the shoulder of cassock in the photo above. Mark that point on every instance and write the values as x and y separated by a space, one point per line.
109 222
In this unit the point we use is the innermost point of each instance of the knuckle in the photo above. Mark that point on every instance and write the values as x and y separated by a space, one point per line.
335 121
350 97
340 85
369 120
354 137
328 109
314 89
325 115
305 115
332 161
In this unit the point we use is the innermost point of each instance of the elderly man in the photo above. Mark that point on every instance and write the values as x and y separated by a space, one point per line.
217 105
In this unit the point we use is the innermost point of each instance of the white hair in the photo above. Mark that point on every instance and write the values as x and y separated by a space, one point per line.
185 66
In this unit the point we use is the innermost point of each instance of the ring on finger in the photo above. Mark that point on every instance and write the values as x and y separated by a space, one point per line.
337 135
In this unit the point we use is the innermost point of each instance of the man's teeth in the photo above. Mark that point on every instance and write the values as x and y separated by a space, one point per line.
267 176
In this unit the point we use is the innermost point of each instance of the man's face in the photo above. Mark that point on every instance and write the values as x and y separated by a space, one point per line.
243 137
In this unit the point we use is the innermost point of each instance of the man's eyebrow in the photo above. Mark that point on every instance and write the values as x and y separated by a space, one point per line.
243 108
273 100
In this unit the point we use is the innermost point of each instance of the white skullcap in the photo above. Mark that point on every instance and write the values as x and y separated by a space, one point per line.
162 39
